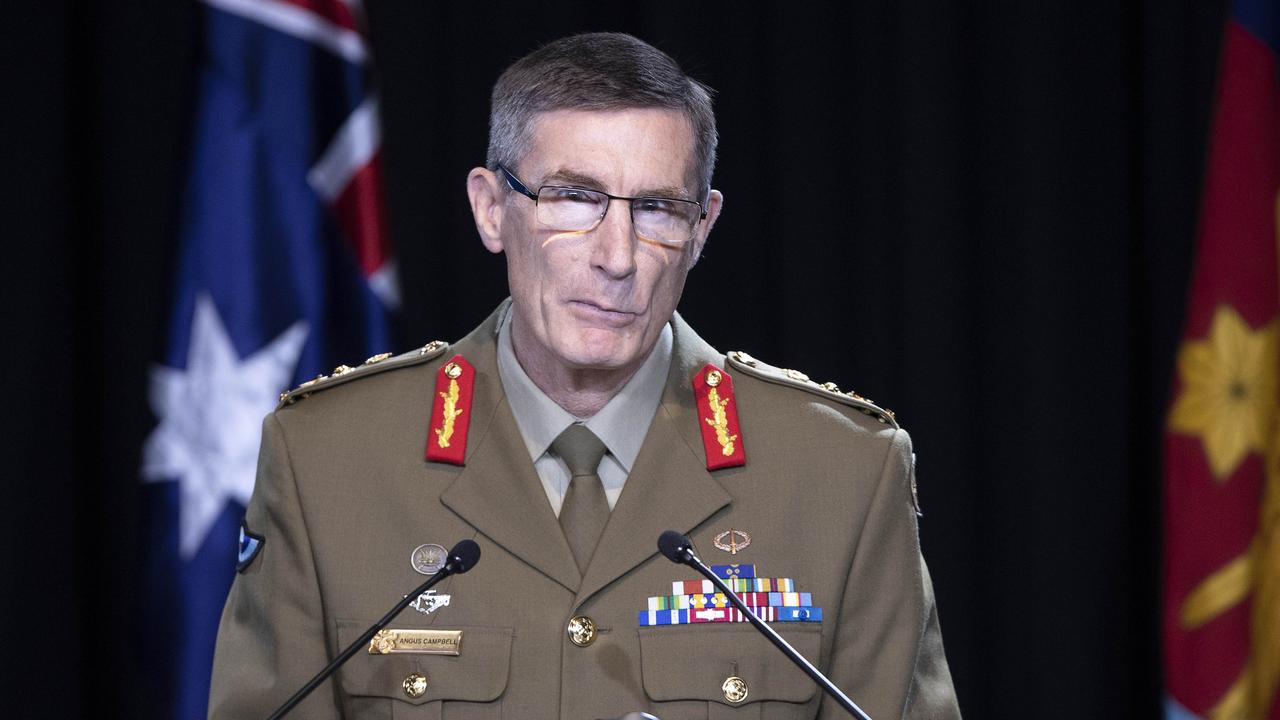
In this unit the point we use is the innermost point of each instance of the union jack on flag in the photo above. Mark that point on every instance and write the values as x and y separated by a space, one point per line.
283 269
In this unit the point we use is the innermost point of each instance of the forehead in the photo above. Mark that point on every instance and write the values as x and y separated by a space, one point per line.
631 150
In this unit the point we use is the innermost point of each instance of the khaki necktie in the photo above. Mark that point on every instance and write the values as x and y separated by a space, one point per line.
585 509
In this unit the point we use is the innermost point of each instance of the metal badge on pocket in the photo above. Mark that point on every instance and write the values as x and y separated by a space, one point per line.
423 642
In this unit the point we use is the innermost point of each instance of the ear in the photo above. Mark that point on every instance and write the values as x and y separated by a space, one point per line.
488 201
715 200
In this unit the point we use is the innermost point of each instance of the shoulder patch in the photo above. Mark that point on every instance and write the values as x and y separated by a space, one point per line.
250 545
794 378
372 366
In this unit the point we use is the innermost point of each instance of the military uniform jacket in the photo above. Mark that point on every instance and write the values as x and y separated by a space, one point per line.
344 495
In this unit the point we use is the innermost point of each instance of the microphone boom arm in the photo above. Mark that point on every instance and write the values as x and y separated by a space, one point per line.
461 558
677 548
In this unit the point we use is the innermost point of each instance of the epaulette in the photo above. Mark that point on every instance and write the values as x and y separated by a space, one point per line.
794 378
375 364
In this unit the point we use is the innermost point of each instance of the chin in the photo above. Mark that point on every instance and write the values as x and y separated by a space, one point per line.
601 353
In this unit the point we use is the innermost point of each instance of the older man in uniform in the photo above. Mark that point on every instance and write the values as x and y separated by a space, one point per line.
564 434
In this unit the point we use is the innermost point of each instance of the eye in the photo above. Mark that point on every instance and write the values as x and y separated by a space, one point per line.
656 206
573 195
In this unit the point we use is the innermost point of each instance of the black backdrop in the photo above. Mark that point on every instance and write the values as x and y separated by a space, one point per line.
981 215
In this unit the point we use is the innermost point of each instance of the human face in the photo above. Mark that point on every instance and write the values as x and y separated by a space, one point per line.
598 300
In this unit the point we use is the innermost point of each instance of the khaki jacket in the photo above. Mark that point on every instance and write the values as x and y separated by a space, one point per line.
344 495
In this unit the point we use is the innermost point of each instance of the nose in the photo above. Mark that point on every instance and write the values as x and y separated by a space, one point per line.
614 247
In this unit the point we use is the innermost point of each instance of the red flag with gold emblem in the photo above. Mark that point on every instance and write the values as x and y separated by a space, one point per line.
1221 614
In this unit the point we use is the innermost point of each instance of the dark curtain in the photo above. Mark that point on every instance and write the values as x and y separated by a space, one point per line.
979 214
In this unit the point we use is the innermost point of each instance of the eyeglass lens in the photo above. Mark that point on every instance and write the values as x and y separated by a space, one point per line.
670 222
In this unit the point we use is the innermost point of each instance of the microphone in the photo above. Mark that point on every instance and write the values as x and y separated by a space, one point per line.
679 549
462 558
676 547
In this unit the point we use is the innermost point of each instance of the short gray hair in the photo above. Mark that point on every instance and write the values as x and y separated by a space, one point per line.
597 71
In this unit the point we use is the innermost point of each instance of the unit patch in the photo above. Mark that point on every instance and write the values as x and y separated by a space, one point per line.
250 546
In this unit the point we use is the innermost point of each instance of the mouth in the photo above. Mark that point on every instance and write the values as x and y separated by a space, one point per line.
602 314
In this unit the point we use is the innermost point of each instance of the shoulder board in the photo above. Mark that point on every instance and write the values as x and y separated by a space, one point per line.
375 364
783 376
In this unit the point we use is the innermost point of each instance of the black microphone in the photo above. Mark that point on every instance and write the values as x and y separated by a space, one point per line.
462 558
678 549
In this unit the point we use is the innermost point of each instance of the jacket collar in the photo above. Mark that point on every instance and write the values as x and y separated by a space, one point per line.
499 493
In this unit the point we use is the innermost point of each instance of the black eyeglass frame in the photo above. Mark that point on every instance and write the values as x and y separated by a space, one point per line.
515 184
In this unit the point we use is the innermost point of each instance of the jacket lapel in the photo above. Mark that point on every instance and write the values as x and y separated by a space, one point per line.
669 487
497 491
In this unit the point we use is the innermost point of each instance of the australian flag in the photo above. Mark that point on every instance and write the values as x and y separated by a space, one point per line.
283 271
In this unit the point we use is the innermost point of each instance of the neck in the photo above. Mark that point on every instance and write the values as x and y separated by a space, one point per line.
582 392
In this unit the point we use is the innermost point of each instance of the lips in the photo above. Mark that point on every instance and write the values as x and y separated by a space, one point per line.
601 314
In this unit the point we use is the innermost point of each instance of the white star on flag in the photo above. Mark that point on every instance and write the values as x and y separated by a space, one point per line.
211 419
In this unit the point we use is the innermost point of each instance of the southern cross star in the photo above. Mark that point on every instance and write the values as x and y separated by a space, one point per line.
210 419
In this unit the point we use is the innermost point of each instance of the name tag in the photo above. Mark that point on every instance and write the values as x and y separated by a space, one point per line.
424 642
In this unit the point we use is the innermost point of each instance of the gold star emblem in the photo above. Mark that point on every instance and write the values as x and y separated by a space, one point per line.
1228 394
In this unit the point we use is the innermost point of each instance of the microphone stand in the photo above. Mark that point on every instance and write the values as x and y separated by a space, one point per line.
684 554
455 565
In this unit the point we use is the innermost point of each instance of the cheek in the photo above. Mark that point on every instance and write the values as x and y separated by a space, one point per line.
527 262
663 271
538 275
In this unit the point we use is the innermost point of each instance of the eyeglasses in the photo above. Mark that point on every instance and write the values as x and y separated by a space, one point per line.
669 221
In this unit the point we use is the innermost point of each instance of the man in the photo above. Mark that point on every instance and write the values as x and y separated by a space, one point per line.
563 435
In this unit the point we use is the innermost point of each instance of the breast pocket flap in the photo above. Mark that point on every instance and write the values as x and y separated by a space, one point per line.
478 673
693 662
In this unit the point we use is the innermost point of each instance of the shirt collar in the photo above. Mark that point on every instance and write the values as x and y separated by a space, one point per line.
621 424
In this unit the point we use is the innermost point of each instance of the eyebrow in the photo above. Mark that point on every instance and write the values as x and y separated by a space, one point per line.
564 175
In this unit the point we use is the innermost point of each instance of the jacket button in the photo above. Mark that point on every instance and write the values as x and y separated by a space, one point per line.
735 689
415 685
582 630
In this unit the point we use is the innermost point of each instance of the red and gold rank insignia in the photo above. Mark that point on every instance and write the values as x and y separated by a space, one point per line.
451 412
718 418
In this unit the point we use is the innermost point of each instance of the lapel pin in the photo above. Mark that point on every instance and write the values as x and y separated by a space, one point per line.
731 541
428 558
428 602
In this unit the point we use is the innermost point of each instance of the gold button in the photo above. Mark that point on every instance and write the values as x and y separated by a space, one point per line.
415 685
582 631
735 689
453 370
713 378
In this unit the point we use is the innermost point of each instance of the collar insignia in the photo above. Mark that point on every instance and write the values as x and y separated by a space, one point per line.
718 418
451 412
